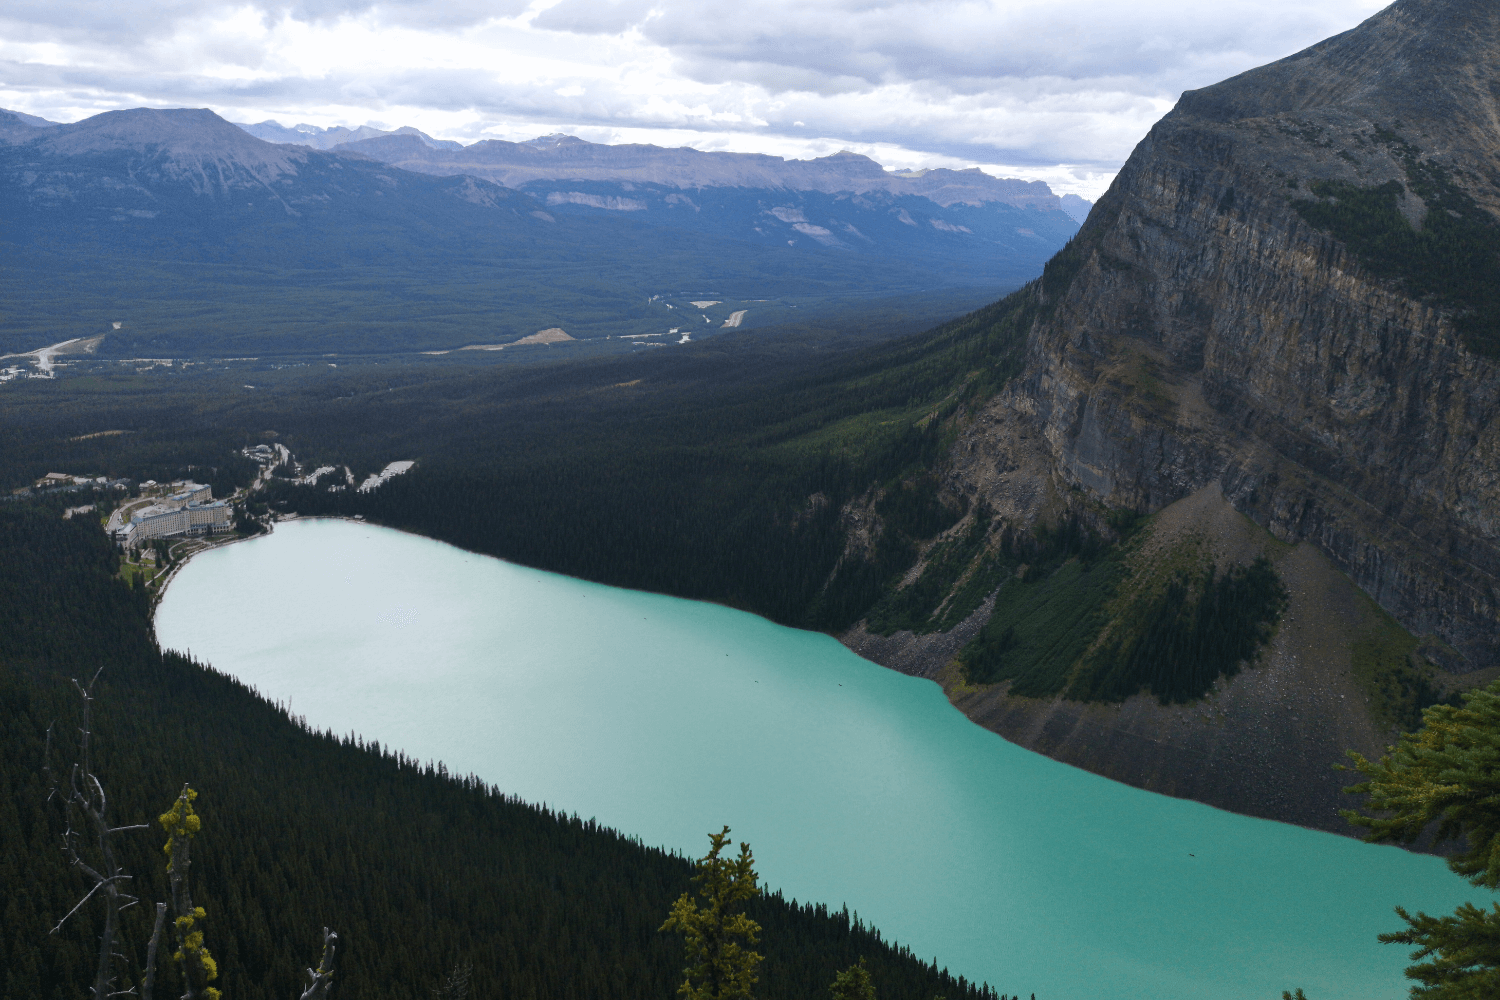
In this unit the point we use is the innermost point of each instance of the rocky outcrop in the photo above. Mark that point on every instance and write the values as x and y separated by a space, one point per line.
1264 742
1201 338
1210 334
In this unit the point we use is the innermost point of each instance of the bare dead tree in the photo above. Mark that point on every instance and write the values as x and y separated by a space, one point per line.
457 986
148 981
320 980
88 844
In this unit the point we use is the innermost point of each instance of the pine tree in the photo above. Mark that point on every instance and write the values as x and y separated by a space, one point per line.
718 967
1447 774
198 967
854 983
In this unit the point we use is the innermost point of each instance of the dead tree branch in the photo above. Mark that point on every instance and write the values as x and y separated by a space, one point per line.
320 980
87 843
85 808
457 986
148 983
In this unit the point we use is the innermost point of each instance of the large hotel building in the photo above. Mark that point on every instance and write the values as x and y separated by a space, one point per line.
192 510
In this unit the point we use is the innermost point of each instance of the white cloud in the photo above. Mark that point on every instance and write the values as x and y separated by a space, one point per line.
1059 91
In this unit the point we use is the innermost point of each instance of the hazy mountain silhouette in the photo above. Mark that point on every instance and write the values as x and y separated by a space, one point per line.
388 250
327 138
566 157
1076 207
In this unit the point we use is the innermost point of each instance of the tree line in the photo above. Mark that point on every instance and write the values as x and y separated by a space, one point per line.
418 869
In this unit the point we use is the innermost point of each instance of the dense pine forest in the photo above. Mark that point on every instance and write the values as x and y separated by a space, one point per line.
720 475
714 470
722 471
420 871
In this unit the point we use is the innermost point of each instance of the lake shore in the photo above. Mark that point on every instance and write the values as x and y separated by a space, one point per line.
584 696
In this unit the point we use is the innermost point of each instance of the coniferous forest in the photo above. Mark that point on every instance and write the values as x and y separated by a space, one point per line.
418 870
720 471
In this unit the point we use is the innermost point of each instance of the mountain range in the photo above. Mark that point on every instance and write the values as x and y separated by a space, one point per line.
560 157
327 138
357 228
565 157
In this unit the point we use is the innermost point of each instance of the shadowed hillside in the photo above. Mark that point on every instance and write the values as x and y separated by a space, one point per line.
417 869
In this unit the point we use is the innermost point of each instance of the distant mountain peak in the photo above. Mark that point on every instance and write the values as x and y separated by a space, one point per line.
23 118
1421 71
1077 207
303 134
555 140
15 126
193 145
559 157
1399 64
159 125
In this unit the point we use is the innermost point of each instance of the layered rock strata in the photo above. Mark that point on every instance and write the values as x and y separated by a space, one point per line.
1201 334
1212 335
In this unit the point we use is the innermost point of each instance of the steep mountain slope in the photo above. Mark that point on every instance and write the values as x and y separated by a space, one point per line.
1276 333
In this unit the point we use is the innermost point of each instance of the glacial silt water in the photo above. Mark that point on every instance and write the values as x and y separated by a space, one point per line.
668 718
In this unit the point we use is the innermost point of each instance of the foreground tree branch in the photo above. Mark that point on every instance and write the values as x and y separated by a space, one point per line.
1445 777
198 967
87 842
85 809
320 980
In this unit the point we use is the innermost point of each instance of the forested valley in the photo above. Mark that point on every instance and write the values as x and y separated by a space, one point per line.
421 872
723 471
711 470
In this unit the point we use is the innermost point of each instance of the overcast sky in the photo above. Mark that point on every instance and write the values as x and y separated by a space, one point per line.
1058 90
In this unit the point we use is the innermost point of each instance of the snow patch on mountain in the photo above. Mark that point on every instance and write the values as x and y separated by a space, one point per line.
606 202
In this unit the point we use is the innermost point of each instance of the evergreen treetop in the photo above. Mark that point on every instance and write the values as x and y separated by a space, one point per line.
719 966
1446 778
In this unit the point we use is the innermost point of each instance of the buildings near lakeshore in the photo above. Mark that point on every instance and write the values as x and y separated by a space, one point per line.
55 480
189 510
64 479
64 482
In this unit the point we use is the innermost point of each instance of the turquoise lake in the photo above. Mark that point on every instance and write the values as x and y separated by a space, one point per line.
853 784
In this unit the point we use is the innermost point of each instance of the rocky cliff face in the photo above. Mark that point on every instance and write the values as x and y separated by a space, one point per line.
1202 334
1212 334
